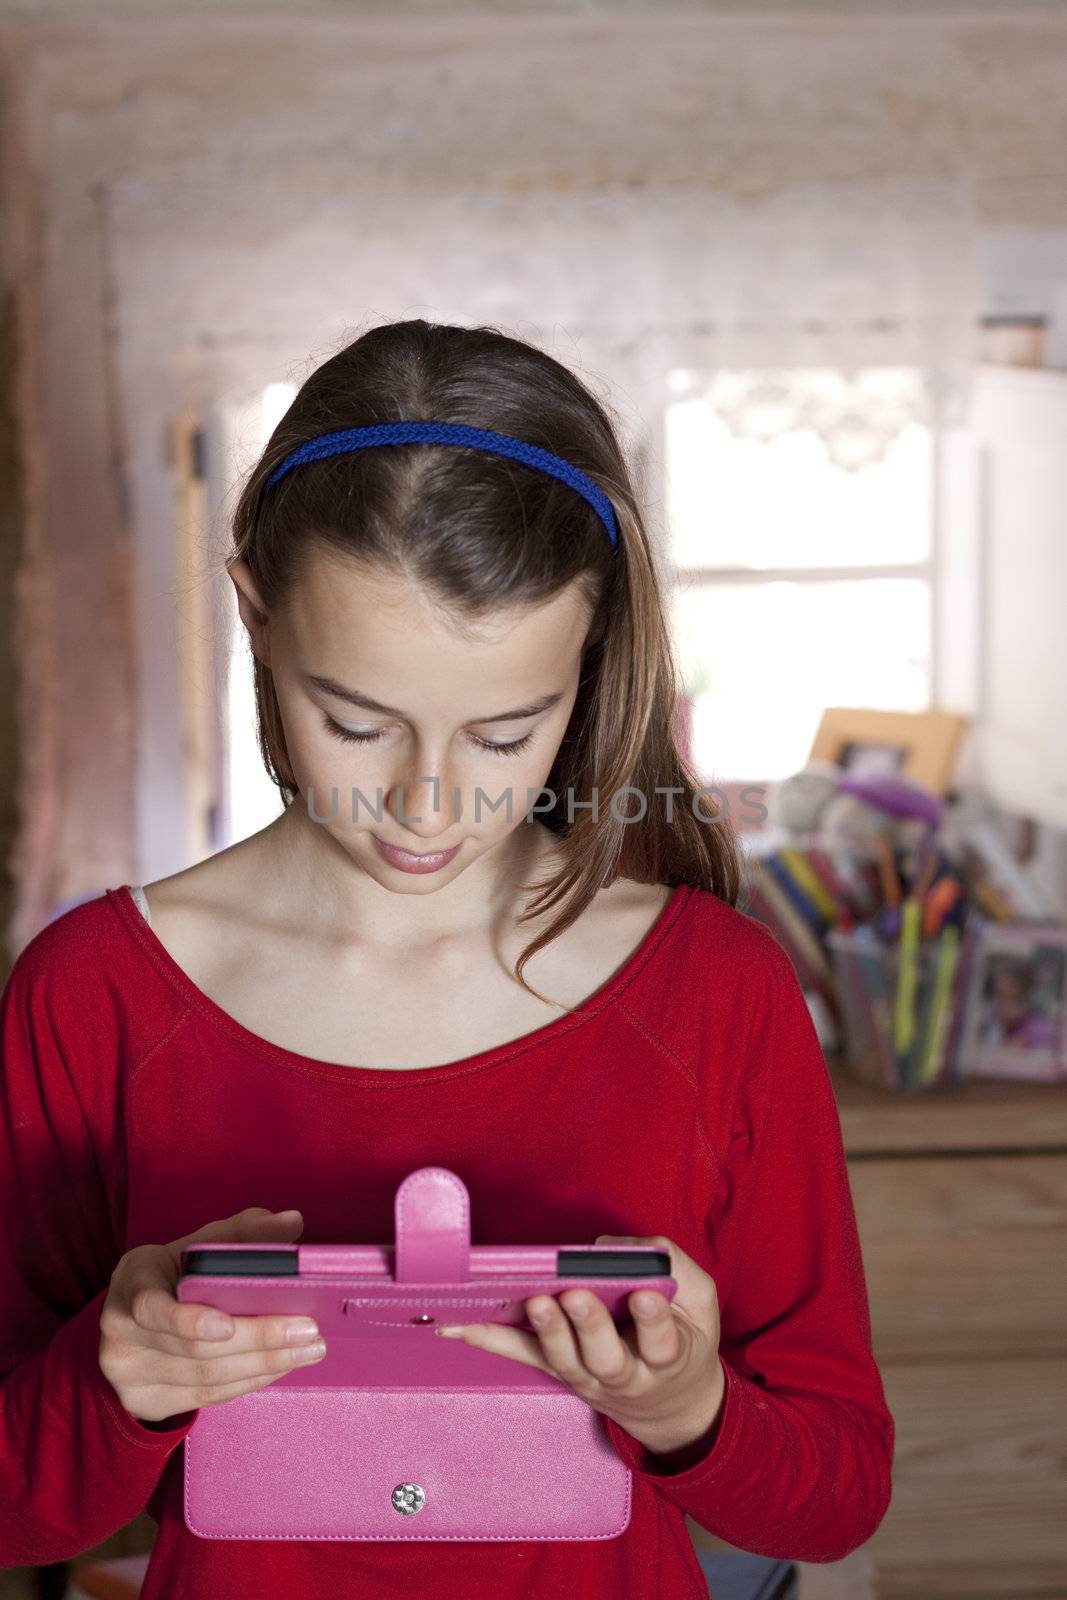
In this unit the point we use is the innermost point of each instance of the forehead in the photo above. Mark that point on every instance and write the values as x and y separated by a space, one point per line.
375 631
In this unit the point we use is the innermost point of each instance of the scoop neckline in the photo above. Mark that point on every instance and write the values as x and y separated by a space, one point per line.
123 902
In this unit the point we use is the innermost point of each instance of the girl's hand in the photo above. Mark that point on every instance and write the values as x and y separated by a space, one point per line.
163 1355
660 1378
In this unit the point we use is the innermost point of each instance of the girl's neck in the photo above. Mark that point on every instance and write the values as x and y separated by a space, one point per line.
308 875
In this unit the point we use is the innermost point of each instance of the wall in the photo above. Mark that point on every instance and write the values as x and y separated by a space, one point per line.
12 516
204 194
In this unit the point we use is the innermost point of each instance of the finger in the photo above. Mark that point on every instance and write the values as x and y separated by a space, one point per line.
204 1374
659 1336
264 1332
229 1391
155 1311
593 1338
153 1307
257 1223
156 1403
514 1343
557 1337
253 1224
630 1238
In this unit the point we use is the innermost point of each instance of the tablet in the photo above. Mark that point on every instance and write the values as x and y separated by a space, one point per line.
396 1434
350 1290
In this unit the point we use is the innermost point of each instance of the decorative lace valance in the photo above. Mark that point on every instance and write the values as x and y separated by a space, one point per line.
853 280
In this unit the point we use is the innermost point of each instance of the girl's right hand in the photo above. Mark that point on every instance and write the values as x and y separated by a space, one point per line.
163 1356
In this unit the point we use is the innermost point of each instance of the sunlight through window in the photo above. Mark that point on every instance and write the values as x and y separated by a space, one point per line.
253 800
800 583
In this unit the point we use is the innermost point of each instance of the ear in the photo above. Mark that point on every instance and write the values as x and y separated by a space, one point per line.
252 611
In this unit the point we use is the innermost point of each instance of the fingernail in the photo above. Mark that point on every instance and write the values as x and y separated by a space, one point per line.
449 1333
301 1332
214 1327
313 1352
646 1304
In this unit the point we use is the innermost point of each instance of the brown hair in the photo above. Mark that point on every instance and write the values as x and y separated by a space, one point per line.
482 533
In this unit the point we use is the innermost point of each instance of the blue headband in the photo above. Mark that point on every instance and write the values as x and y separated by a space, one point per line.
333 444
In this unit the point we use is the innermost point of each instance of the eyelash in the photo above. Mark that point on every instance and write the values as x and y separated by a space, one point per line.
347 736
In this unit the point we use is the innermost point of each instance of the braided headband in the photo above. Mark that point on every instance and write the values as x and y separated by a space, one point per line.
333 444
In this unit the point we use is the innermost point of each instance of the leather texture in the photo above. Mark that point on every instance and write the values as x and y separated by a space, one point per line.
433 1227
331 1463
396 1434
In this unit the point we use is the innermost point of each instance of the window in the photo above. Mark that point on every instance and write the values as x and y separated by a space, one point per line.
800 582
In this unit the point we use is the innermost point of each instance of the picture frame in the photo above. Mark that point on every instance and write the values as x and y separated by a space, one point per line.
1014 1013
920 745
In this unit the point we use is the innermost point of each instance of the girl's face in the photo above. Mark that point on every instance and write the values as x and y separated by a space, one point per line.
378 697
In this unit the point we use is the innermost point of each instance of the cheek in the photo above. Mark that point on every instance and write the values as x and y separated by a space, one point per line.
519 777
318 757
323 764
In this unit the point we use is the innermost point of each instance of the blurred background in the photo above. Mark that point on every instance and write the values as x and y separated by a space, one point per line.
816 257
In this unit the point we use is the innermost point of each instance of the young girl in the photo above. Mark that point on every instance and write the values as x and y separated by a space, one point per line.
494 929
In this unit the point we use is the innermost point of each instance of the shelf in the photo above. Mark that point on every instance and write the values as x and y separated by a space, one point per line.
975 1114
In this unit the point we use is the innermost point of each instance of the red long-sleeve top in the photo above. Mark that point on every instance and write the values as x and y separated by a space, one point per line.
687 1097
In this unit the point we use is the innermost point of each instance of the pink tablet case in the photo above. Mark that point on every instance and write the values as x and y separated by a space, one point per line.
395 1433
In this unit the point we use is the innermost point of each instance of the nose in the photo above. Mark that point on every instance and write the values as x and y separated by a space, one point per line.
424 808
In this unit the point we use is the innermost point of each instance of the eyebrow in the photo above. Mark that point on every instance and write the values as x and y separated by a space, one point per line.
353 697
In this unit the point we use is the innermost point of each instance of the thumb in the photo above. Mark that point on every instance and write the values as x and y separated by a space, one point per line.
254 1223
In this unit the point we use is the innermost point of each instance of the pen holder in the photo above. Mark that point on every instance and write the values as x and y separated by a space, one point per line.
900 1024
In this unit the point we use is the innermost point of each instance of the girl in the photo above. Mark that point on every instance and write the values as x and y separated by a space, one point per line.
465 690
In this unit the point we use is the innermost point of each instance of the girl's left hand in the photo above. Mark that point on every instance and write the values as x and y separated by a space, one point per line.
660 1378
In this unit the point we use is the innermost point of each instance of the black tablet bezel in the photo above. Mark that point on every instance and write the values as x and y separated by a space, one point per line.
238 1262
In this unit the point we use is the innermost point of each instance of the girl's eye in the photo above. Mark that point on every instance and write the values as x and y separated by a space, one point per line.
349 736
511 749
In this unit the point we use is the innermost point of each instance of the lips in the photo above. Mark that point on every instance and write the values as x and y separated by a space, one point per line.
414 861
418 855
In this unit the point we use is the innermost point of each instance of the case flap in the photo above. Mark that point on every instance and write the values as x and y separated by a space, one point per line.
433 1228
450 1463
